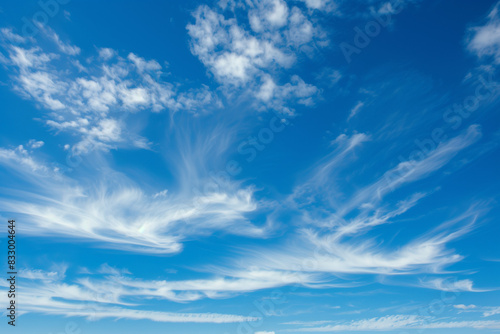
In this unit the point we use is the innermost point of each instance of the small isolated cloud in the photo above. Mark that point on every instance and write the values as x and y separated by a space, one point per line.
67 15
42 275
464 307
106 53
162 193
34 144
450 285
264 332
356 109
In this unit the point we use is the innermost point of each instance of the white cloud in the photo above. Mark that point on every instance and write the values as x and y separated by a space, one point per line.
273 96
11 36
334 241
268 14
114 294
464 307
412 170
355 109
317 187
484 40
233 54
383 323
492 311
120 313
487 311
399 322
110 208
20 156
234 283
338 252
90 103
34 144
41 275
250 59
28 58
106 53
364 222
325 5
64 47
162 193
447 285
144 65
70 300
301 30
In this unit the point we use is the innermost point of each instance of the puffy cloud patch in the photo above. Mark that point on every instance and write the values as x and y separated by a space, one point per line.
92 101
255 46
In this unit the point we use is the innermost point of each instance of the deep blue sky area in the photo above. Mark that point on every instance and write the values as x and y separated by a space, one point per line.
251 167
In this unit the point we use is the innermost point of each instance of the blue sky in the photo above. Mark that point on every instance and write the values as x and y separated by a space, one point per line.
252 166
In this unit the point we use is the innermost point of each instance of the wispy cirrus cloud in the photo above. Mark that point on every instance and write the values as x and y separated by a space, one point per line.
335 240
400 322
115 211
323 174
23 156
487 311
329 253
72 304
345 224
412 170
64 47
491 311
115 293
123 286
